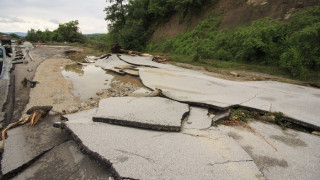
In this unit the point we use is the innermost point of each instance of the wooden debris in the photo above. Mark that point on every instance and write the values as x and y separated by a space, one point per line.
160 59
36 113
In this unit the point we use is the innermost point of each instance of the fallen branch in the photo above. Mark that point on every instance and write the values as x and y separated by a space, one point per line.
36 113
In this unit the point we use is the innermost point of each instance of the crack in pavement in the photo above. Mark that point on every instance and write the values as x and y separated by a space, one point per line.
220 163
24 166
146 158
201 136
251 98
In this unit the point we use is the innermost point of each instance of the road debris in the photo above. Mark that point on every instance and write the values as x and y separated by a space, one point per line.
160 59
26 81
36 113
316 133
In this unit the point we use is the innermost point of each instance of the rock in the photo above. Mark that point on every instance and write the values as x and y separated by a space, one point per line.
142 92
235 74
316 133
268 118
156 92
72 109
83 105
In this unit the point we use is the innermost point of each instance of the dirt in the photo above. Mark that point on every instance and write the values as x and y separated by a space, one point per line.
52 89
236 12
240 75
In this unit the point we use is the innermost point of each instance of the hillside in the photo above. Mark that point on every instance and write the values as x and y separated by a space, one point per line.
236 12
276 37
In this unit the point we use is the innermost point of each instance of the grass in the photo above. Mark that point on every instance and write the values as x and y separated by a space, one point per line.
220 66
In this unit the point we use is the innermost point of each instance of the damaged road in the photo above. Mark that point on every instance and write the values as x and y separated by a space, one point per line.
166 128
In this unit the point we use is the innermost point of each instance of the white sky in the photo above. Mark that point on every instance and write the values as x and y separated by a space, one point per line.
22 15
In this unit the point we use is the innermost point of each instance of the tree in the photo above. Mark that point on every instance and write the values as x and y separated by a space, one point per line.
31 35
70 32
14 36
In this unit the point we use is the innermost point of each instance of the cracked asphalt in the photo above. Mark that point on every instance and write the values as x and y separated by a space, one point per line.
84 149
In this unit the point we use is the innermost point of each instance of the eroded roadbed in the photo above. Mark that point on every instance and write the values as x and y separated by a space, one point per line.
130 136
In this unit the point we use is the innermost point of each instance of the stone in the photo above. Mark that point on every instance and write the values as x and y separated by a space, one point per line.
268 118
316 133
144 154
144 112
155 93
141 92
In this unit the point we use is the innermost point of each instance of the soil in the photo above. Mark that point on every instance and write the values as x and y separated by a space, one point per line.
52 89
236 12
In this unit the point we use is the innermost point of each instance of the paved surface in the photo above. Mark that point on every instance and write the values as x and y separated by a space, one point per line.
198 119
143 154
144 112
24 144
297 102
109 63
297 155
71 165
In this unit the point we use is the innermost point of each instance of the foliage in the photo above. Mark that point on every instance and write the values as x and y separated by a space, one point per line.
65 32
242 115
14 36
293 46
102 42
132 22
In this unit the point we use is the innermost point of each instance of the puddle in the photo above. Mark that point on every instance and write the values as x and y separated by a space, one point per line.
87 80
126 79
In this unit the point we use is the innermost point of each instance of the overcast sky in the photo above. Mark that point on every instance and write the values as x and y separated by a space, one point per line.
22 15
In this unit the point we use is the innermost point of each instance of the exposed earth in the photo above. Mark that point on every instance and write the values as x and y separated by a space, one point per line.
128 117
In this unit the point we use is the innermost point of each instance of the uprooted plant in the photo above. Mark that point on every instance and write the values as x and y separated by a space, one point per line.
35 115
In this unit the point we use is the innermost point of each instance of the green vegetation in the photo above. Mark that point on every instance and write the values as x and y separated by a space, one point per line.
69 32
293 47
243 115
14 36
66 32
133 22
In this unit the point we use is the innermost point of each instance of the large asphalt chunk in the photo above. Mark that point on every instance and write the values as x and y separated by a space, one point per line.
65 162
280 154
25 143
198 119
298 103
143 112
110 63
144 154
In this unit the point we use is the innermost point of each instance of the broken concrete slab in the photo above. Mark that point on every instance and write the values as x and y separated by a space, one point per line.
297 155
109 63
198 119
142 154
145 61
64 162
144 112
24 144
141 92
81 116
296 102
